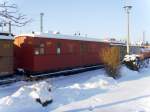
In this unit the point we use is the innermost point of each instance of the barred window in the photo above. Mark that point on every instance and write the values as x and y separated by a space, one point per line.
58 48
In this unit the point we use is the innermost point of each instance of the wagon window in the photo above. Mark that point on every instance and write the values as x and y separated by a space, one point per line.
39 50
58 50
42 51
84 48
71 48
81 47
41 45
36 51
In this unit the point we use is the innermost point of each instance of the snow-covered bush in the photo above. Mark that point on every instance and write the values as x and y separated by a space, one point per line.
111 59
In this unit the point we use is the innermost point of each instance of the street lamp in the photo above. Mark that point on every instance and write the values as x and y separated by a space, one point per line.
41 21
127 9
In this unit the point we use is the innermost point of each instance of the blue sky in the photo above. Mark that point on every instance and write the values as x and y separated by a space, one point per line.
96 18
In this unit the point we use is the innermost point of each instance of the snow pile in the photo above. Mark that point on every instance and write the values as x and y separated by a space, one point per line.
27 97
85 92
41 91
132 57
131 95
97 82
80 89
132 62
127 74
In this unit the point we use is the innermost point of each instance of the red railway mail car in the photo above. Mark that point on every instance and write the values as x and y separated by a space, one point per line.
54 52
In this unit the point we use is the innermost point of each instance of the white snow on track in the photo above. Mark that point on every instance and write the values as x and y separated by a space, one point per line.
90 91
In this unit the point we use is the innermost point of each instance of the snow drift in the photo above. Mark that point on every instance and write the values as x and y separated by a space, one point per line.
98 82
84 92
28 98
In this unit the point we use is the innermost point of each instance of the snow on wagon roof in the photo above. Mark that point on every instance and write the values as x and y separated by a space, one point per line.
62 36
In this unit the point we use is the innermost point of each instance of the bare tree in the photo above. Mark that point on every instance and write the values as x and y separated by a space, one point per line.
10 12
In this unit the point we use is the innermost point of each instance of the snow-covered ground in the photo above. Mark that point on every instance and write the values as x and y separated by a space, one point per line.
84 92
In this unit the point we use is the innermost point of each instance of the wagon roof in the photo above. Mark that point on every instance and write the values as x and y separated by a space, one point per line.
61 36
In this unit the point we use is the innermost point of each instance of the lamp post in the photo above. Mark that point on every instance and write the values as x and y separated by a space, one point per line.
9 28
143 38
127 9
41 22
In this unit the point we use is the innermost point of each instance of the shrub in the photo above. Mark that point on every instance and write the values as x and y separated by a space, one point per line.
111 60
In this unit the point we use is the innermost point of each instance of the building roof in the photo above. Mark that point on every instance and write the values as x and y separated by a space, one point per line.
6 35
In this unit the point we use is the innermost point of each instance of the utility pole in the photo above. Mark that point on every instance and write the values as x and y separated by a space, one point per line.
127 9
41 22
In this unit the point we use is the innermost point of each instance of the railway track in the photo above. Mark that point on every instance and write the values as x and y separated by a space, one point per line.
15 78
7 81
